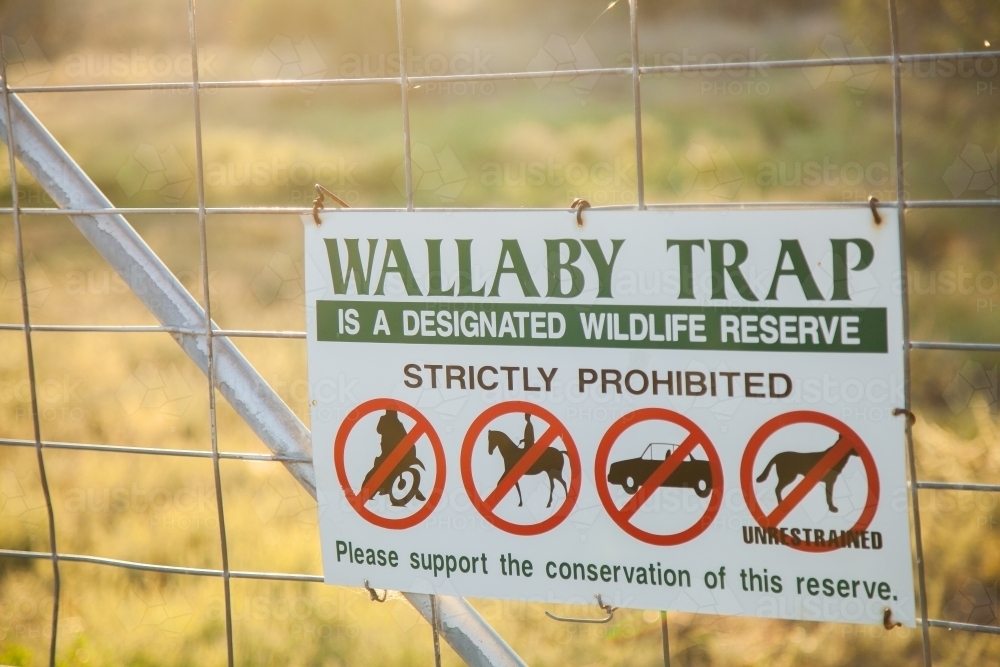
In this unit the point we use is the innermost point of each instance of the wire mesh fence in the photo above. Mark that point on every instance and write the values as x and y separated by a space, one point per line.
423 171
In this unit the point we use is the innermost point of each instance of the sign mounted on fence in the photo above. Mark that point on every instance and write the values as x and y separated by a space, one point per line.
687 411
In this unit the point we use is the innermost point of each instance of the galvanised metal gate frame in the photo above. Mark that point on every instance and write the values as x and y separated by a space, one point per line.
231 374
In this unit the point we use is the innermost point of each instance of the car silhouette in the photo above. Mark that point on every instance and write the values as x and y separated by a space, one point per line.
692 473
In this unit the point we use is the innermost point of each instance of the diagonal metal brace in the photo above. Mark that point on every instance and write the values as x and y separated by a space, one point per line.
245 390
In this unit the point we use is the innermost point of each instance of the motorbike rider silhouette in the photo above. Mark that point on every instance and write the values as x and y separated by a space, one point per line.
393 432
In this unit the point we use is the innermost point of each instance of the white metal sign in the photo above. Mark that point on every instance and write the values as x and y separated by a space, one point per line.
675 410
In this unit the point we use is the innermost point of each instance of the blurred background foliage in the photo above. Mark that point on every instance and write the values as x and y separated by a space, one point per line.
809 134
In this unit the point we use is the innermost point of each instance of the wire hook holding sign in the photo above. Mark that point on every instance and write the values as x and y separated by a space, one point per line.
608 609
887 621
910 417
373 594
873 202
318 203
580 205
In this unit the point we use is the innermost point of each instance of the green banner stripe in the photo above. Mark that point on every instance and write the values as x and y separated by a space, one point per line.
600 326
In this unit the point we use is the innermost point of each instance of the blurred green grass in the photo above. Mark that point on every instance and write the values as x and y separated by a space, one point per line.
750 136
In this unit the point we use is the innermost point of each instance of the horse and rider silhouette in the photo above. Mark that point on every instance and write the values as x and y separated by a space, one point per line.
550 462
393 432
790 465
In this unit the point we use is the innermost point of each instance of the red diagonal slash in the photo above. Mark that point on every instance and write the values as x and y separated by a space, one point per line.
825 464
529 458
405 445
665 470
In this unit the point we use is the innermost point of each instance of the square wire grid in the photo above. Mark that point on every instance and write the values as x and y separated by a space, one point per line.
635 71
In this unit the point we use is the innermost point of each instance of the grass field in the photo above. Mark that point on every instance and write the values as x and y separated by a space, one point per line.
774 136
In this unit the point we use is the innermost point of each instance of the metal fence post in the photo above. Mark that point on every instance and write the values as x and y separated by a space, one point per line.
245 390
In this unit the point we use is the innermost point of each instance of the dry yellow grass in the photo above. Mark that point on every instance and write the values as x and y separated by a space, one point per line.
139 389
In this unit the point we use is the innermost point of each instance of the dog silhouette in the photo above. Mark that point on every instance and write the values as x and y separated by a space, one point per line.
790 465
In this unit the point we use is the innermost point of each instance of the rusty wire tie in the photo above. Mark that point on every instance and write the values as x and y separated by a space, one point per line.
887 621
372 593
873 202
579 205
910 417
318 203
608 609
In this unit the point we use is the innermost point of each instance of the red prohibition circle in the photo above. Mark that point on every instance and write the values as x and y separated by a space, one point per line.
481 505
617 515
807 417
353 498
